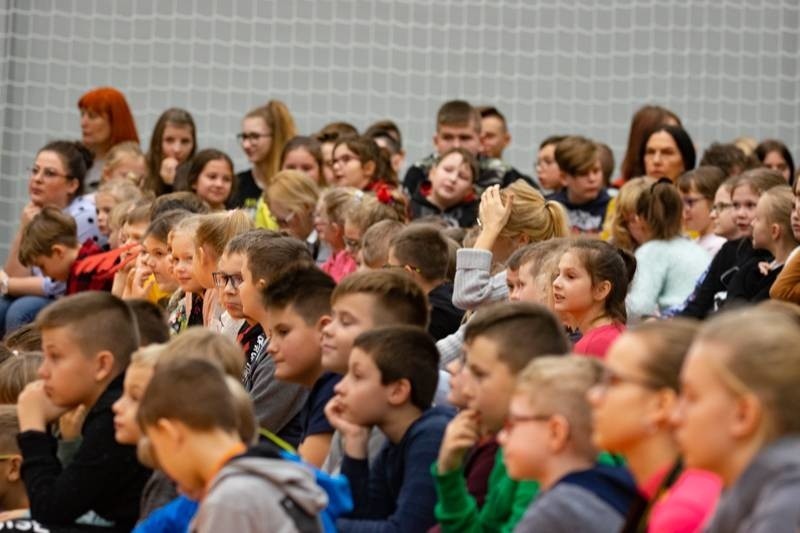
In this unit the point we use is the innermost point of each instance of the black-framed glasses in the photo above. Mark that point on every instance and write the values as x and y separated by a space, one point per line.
512 420
221 280
251 136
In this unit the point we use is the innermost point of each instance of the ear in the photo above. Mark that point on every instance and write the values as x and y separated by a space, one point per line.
323 321
172 430
563 176
399 392
749 416
435 140
337 228
601 291
261 284
558 433
58 251
13 473
666 403
104 365
72 185
523 239
369 168
775 232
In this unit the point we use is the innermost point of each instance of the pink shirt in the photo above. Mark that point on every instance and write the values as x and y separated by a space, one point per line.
339 265
597 341
687 505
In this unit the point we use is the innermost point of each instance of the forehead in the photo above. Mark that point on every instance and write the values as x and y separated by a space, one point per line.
627 352
461 129
49 159
661 139
217 165
453 158
58 337
482 351
570 259
233 261
301 152
361 305
491 122
744 190
362 359
175 129
284 315
254 124
723 193
151 242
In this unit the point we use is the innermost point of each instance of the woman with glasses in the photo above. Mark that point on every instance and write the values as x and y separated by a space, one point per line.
265 131
641 381
55 179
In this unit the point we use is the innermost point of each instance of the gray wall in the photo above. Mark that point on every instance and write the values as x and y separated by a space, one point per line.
726 67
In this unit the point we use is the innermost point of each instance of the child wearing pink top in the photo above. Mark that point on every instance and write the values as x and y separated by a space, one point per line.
597 341
680 501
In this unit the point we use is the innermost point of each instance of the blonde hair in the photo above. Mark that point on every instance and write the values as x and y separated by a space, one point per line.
541 260
370 210
557 385
780 204
118 153
16 372
761 358
280 122
120 189
626 203
147 355
200 343
335 202
294 189
532 215
215 230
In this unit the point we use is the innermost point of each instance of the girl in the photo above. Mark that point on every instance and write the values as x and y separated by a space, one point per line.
387 204
157 259
668 152
106 121
668 264
304 154
772 231
329 223
358 162
265 131
623 226
509 219
547 172
212 234
737 417
210 176
721 214
698 188
126 161
590 288
111 193
449 193
291 198
641 377
174 141
185 308
774 155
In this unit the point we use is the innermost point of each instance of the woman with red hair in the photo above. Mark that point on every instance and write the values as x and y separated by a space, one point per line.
106 120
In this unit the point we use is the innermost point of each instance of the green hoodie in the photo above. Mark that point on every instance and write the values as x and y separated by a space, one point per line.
506 501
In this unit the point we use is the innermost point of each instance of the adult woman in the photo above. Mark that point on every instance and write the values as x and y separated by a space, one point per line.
173 142
106 120
668 152
774 155
56 179
645 120
265 131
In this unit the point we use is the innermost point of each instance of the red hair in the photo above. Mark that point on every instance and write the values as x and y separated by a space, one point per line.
112 103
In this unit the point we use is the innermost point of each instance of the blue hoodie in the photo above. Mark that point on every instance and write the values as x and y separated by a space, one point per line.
593 500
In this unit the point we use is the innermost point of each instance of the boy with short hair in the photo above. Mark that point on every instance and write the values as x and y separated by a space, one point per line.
494 132
458 124
390 383
375 244
197 443
298 305
277 403
499 341
421 251
584 194
548 437
83 365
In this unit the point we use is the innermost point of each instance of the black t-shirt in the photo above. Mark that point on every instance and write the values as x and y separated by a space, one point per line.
247 191
312 415
445 317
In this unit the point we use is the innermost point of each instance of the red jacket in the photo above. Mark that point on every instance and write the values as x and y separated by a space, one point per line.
94 269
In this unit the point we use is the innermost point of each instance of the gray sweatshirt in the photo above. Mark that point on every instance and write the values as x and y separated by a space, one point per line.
474 284
252 494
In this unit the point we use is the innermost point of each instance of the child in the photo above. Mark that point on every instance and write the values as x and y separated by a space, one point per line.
83 365
277 403
722 212
210 176
369 210
362 302
329 223
390 383
186 306
499 341
624 228
591 286
772 231
157 259
151 322
125 161
787 284
16 372
298 307
303 154
548 174
198 445
359 163
548 437
174 141
50 242
374 251
697 188
641 380
449 190
584 195
109 194
738 417
422 252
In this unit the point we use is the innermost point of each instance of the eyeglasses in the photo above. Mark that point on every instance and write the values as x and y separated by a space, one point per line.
284 221
611 378
221 280
719 207
7 456
690 202
352 245
512 421
251 136
46 173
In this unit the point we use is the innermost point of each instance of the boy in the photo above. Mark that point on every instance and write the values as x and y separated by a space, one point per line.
499 341
458 124
375 244
548 437
298 305
361 302
83 365
390 383
422 252
584 195
198 445
277 403
494 132
50 242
